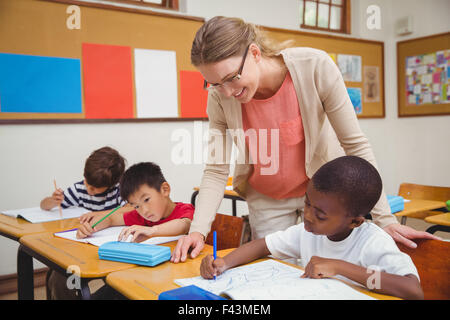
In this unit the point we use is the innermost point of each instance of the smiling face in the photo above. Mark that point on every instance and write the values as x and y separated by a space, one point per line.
325 214
151 204
223 74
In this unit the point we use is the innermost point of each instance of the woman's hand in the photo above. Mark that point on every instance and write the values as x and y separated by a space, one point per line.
404 234
194 240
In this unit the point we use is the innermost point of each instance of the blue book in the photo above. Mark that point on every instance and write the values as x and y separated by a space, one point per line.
191 292
137 253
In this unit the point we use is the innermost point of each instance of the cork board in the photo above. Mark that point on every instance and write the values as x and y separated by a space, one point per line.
369 54
39 29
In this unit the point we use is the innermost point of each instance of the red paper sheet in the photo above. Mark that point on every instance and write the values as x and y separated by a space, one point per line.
108 81
193 96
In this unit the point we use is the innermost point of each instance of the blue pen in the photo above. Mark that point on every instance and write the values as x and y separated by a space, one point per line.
215 247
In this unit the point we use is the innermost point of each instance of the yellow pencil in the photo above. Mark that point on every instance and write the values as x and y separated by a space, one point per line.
60 209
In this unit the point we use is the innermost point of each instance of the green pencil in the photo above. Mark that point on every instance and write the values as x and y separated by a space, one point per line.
105 217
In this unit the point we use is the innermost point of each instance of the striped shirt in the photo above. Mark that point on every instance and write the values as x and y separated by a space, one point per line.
77 196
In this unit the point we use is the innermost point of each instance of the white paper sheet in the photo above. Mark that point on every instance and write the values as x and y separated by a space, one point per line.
108 235
37 215
273 280
156 83
97 239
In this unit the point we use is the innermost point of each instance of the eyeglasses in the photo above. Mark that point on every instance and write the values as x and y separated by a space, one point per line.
236 76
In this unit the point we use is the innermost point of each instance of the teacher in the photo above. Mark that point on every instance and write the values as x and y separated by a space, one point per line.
291 103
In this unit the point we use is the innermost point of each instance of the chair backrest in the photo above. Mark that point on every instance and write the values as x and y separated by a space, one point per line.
229 230
432 260
418 191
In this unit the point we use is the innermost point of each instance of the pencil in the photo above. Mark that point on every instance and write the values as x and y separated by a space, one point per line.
215 247
106 216
60 209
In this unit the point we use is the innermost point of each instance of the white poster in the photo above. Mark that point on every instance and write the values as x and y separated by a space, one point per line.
156 83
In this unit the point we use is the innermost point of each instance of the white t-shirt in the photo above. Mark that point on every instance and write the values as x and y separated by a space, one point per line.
367 246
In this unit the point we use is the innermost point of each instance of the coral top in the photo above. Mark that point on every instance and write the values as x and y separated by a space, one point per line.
276 142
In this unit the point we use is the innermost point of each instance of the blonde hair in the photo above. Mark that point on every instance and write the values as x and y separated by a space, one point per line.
222 37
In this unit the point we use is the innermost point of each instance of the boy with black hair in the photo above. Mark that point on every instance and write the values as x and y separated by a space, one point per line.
147 191
334 239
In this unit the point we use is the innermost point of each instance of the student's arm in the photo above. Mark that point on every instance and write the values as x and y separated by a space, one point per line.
246 253
54 200
405 287
90 218
170 228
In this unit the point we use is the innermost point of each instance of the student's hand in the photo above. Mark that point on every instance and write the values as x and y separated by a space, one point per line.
85 230
318 268
194 240
88 217
210 267
139 233
404 234
55 199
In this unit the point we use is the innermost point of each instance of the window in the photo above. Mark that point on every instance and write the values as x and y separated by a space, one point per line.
163 4
326 15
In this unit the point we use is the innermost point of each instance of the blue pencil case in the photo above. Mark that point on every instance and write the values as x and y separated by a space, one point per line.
397 203
191 292
137 253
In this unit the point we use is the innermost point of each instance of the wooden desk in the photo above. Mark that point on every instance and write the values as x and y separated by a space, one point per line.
59 254
15 228
228 194
418 208
145 283
441 222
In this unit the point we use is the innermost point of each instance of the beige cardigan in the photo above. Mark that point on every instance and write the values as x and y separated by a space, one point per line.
330 125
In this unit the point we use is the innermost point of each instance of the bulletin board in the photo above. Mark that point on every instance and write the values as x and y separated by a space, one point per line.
424 76
361 63
99 72
120 64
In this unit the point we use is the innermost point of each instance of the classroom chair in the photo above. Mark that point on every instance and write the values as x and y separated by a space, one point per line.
230 231
418 191
432 260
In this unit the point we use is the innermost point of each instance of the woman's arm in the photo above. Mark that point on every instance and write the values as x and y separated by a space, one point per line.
340 112
212 186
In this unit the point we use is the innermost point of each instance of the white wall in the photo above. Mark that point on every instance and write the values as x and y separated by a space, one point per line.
407 149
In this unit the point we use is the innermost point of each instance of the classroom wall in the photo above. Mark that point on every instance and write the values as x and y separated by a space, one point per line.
407 149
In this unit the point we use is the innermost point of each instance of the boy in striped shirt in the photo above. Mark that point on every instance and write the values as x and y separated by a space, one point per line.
99 190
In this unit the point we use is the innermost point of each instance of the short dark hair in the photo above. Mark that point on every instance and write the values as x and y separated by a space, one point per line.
104 167
356 182
143 173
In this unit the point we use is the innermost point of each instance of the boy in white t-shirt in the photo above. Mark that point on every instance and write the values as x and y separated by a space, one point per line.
334 240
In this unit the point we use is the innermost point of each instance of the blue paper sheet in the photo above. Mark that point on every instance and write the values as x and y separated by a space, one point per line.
39 84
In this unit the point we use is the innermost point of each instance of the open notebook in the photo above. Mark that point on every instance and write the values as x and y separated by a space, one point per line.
273 280
107 235
37 215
